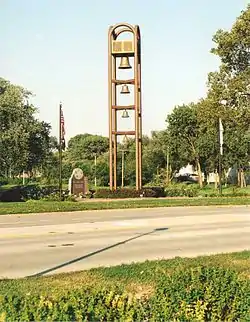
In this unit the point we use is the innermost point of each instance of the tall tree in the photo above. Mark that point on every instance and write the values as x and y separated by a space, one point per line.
24 140
233 46
231 84
86 146
189 141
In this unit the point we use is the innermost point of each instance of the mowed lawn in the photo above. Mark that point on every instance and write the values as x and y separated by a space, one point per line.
37 206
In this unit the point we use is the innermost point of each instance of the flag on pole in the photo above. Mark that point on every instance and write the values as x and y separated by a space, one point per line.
62 128
221 130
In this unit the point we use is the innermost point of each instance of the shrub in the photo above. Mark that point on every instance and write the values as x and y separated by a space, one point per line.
182 190
32 192
36 192
86 304
196 294
149 192
202 294
13 194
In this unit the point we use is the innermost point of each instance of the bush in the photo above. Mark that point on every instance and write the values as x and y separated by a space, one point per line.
149 192
199 294
202 294
36 192
32 192
13 194
182 190
3 181
86 304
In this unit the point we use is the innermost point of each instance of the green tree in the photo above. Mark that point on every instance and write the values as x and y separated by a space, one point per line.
188 140
233 46
86 146
24 141
231 83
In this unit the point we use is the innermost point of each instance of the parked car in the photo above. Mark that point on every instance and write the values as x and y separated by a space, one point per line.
187 177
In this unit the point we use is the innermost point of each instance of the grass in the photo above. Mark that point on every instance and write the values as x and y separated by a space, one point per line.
33 206
133 278
229 190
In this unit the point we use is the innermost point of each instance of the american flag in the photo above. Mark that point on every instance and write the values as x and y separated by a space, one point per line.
62 128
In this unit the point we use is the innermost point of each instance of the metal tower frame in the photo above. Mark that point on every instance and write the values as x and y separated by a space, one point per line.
120 49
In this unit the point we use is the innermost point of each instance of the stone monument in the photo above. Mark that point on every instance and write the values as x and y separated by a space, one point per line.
78 183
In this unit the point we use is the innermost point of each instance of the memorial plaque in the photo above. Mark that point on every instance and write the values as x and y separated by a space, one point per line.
78 183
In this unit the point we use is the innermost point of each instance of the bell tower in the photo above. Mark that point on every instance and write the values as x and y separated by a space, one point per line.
124 50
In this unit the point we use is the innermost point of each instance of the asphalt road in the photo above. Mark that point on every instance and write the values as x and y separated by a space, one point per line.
40 244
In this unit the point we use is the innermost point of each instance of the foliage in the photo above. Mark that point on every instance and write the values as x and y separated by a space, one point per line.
182 190
196 293
231 82
233 46
86 146
153 192
202 294
32 192
24 141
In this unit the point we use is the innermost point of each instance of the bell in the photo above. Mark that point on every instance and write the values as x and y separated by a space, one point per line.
125 114
125 63
125 89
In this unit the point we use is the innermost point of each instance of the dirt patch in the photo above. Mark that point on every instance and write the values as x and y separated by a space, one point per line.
140 291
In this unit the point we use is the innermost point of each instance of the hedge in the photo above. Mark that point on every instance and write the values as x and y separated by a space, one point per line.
182 190
149 192
199 294
31 192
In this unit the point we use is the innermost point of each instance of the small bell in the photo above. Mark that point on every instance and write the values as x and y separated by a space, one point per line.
125 114
125 89
125 63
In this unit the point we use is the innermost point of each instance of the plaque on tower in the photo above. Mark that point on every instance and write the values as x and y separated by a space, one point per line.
121 47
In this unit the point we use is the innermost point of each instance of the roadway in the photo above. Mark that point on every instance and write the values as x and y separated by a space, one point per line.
40 244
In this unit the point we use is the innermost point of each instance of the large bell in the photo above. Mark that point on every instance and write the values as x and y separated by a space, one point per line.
125 114
125 89
125 63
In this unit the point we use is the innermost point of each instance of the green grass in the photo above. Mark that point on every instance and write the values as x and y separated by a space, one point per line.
128 277
229 190
33 206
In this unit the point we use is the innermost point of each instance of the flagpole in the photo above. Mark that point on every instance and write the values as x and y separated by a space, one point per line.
60 152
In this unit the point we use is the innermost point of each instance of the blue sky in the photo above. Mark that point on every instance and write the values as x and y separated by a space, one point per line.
58 49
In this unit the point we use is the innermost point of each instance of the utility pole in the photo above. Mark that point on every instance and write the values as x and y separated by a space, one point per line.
95 170
220 154
60 153
167 165
61 146
122 168
23 178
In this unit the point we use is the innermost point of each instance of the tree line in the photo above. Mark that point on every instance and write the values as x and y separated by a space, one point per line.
190 136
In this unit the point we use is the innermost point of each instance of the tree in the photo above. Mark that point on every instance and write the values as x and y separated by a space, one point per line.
24 141
233 46
155 151
86 146
188 139
102 170
231 83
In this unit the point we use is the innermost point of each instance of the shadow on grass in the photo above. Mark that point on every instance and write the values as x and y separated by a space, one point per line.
75 260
